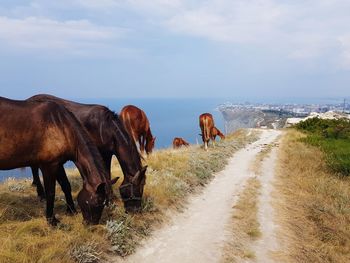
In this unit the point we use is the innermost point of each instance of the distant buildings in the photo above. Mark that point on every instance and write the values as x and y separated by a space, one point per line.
250 115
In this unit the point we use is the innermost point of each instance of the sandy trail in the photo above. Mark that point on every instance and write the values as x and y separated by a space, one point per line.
199 233
268 243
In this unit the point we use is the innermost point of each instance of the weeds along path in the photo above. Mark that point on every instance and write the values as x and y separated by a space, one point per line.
199 233
267 247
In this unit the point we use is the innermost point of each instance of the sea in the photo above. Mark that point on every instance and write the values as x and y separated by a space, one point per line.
168 118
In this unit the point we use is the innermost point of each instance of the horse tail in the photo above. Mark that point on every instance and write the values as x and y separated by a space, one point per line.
129 128
206 129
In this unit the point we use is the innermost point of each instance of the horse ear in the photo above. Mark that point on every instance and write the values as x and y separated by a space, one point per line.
113 181
139 174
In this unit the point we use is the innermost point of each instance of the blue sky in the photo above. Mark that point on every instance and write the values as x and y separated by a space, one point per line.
175 48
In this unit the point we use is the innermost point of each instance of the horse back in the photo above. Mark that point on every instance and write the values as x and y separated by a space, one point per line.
135 120
32 133
91 116
206 123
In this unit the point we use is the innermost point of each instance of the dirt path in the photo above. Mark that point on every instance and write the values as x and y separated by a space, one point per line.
267 245
198 234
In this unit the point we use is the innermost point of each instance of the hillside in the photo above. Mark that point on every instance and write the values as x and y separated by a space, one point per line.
172 175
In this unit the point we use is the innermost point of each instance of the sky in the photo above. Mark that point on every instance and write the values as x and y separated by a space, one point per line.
267 49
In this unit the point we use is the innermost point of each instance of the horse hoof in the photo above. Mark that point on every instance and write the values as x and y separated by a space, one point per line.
52 221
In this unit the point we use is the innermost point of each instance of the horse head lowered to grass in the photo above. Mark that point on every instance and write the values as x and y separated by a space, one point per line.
46 135
138 126
109 135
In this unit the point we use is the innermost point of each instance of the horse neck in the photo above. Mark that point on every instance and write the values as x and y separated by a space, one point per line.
89 161
149 135
125 149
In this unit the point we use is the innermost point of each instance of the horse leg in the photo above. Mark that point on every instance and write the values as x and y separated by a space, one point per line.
206 145
49 174
107 159
142 143
67 190
36 182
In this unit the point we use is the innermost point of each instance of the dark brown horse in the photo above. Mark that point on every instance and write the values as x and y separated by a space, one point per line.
109 135
137 124
216 132
206 123
178 142
46 135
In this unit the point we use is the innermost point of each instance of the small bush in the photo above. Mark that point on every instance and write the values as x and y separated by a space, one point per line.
333 137
118 232
86 253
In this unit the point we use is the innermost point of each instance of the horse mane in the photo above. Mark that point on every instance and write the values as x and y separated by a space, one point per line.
83 139
113 117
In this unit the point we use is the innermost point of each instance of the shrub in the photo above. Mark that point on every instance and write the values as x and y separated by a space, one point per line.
86 253
333 137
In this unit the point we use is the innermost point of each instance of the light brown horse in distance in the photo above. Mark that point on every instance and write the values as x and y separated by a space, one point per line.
178 142
137 124
206 123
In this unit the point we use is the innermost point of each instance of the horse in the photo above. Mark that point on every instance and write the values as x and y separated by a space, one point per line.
206 123
111 138
178 142
46 135
137 124
216 132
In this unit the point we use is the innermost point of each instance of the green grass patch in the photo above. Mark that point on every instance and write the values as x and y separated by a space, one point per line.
333 137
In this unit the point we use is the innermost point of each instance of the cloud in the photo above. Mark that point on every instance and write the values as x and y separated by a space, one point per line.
345 55
43 34
302 29
143 6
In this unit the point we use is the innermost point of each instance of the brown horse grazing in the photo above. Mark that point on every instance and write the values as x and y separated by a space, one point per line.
137 124
111 138
46 135
178 142
206 123
216 132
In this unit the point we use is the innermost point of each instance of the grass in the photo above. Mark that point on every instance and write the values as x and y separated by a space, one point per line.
172 175
244 225
333 137
314 203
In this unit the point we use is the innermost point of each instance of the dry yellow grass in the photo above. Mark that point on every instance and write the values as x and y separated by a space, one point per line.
244 225
313 203
172 175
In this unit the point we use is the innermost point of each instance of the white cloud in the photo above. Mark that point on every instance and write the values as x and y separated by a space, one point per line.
302 30
345 47
154 7
72 36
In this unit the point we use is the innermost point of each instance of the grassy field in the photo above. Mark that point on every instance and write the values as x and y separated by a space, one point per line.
313 202
333 137
172 175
